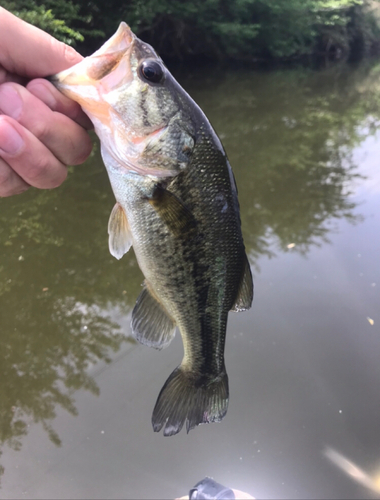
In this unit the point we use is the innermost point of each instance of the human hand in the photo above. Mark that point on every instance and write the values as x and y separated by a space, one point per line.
41 131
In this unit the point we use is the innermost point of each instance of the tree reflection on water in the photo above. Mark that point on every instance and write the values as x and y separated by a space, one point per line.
290 136
57 283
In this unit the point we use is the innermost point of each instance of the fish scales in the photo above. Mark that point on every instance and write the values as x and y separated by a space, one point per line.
177 205
197 275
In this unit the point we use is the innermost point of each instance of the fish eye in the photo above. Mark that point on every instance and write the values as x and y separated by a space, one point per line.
151 71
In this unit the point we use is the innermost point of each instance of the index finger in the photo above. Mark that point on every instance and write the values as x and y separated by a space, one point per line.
56 101
30 52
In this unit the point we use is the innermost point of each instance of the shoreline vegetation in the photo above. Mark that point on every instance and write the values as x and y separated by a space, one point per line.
239 30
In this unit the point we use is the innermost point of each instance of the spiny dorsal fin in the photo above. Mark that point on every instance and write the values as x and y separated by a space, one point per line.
151 324
120 238
245 294
172 211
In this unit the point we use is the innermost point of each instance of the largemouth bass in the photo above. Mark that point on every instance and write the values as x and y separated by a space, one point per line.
176 203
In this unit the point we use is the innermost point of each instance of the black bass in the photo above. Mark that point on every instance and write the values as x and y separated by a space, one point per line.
176 203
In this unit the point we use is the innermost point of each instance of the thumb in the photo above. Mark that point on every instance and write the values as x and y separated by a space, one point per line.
30 52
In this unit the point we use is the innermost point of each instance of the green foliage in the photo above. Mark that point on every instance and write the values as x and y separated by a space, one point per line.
43 17
244 29
251 28
208 27
59 18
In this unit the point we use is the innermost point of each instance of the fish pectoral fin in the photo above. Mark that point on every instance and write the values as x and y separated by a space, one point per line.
172 211
151 324
120 238
245 293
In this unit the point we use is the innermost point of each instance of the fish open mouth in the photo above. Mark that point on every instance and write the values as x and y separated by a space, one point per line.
99 73
101 83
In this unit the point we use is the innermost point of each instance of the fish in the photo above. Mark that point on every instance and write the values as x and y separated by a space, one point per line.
177 205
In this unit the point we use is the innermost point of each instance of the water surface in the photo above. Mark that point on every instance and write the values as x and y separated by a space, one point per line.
76 391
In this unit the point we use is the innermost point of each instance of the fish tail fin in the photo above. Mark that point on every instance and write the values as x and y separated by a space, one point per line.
191 398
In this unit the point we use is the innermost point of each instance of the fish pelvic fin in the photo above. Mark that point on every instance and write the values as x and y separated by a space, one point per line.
151 324
120 238
245 294
190 398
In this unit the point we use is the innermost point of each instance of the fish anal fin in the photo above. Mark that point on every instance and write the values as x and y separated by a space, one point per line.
120 238
245 293
172 211
151 324
192 399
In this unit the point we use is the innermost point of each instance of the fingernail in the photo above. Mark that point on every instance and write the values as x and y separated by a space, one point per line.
10 101
72 56
10 140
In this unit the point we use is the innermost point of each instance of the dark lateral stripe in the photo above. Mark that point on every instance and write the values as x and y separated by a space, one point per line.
210 360
145 110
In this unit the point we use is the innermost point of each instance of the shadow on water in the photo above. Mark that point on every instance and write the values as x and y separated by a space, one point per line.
290 136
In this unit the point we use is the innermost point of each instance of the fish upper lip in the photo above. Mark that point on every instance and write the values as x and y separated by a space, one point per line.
121 40
85 70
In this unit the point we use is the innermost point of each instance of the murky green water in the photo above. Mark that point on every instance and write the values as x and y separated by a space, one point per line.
76 392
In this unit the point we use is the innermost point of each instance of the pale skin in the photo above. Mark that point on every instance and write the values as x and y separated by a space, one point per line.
41 131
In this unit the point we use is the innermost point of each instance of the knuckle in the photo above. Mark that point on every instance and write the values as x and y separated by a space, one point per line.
41 130
37 171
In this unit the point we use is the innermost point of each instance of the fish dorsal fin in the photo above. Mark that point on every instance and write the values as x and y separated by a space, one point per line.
245 293
151 324
120 238
172 211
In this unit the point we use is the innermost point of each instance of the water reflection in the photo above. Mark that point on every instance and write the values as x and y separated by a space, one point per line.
290 137
57 282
